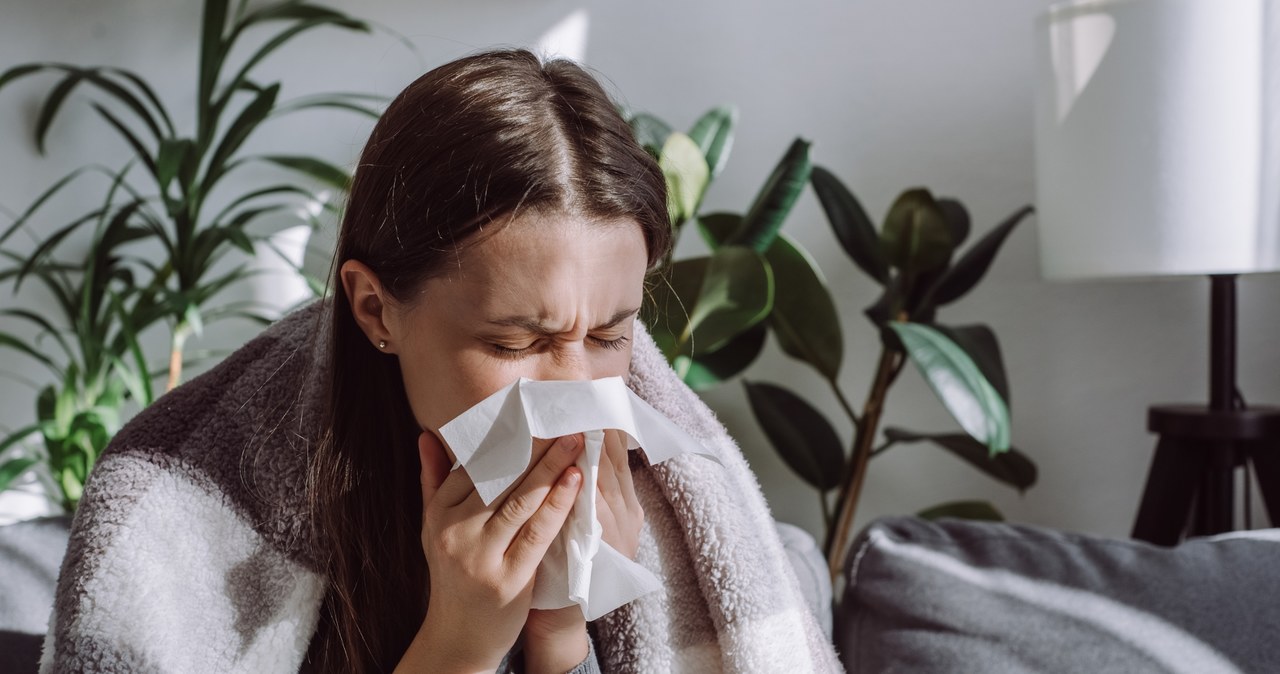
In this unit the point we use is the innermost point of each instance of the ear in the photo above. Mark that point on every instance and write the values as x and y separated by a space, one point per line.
370 303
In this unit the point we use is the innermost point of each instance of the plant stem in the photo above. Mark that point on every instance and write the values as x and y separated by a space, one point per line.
844 402
851 490
175 356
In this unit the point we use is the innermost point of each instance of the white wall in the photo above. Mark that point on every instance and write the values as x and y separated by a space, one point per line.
894 93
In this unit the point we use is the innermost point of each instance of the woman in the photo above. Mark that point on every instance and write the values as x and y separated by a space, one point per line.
273 514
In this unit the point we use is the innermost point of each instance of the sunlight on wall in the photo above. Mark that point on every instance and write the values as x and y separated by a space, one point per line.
566 39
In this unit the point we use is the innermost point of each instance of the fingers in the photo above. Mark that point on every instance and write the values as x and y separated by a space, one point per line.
619 456
535 536
435 465
607 480
527 497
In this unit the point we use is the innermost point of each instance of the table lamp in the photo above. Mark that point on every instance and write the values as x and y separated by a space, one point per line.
1157 126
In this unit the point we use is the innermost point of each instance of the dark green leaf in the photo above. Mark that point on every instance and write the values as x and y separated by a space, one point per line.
736 293
716 227
148 93
245 123
320 170
804 315
916 238
670 301
799 433
44 197
13 469
970 268
706 370
339 101
772 205
713 132
965 510
1012 467
18 436
172 152
958 383
212 53
852 227
143 154
957 217
18 72
979 341
651 133
52 103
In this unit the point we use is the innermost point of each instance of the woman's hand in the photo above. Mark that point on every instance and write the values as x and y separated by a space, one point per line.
482 559
550 634
617 507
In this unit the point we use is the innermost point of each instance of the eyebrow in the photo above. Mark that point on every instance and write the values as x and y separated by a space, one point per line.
536 325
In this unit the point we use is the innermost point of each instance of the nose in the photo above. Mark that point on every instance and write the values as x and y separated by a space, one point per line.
569 363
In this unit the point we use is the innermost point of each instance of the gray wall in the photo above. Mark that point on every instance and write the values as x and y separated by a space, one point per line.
894 93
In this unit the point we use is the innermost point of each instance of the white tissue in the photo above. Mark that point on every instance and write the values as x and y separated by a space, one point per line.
493 442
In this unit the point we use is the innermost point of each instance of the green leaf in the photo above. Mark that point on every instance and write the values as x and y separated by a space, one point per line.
916 238
650 132
957 217
703 371
249 118
168 160
958 383
799 433
965 510
140 150
804 314
1012 467
20 71
970 268
736 293
18 436
671 299
713 132
772 205
686 173
212 53
979 341
853 229
52 103
13 469
341 101
44 197
16 344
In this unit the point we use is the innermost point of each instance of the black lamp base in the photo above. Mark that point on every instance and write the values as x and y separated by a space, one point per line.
1201 447
1199 451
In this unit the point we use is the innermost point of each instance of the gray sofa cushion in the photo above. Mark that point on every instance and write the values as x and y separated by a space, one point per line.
30 556
956 596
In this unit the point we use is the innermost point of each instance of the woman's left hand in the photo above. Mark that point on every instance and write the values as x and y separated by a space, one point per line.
621 519
617 507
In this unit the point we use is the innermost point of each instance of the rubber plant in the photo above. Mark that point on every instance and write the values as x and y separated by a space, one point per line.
171 196
712 315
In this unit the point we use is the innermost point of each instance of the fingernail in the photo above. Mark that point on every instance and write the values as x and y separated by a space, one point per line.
569 442
571 478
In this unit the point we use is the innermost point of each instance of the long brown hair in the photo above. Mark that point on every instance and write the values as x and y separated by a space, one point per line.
462 147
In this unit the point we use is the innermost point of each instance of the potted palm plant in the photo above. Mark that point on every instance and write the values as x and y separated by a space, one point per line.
170 195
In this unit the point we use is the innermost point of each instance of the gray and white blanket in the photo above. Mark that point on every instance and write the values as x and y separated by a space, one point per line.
191 550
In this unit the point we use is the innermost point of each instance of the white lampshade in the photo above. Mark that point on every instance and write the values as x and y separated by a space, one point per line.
1156 137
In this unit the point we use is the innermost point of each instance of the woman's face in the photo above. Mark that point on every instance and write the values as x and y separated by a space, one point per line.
546 297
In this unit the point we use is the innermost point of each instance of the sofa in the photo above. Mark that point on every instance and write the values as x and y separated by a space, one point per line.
957 596
922 596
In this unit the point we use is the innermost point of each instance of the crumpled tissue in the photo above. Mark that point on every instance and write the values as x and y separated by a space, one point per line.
493 442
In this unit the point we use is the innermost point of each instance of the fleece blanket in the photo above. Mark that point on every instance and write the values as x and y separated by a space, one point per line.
191 550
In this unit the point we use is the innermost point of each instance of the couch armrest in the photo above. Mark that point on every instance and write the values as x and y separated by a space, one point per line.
968 596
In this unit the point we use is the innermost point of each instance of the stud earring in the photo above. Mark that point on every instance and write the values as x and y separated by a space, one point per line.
382 344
